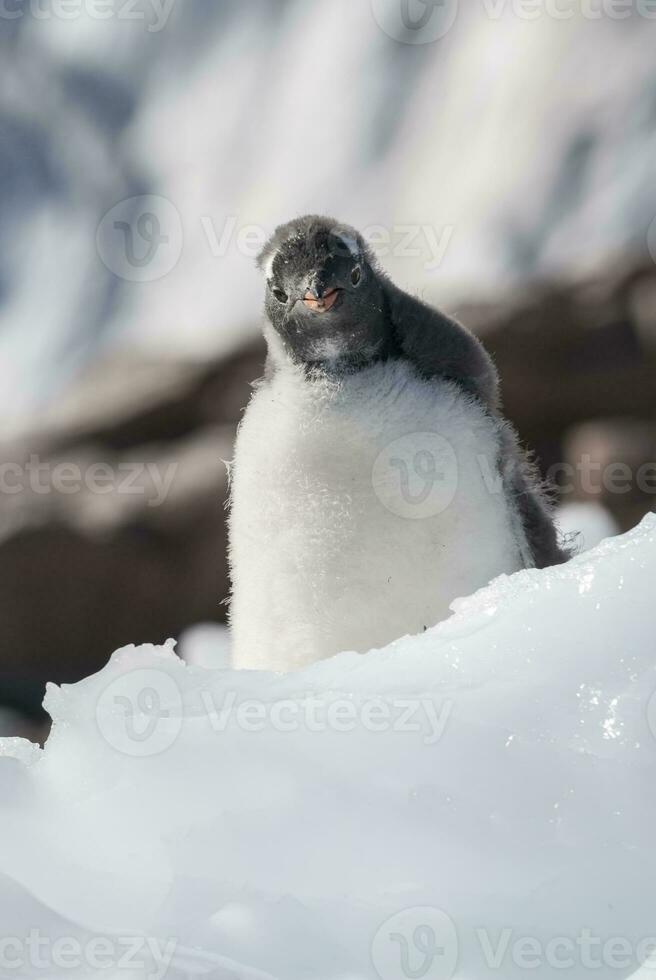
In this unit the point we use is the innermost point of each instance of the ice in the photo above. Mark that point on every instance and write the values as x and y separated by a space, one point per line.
459 804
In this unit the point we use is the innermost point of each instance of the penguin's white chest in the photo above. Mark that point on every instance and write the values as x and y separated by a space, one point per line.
360 510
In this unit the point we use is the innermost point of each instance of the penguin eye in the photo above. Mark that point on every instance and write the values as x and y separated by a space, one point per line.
280 295
356 276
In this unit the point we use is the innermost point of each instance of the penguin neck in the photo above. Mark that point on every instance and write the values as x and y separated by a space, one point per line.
331 366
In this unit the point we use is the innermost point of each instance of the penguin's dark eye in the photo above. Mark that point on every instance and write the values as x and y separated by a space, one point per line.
356 276
280 295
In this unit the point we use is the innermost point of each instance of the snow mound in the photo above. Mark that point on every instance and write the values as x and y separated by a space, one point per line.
476 801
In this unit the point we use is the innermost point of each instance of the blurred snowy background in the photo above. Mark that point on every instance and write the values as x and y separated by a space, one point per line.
501 158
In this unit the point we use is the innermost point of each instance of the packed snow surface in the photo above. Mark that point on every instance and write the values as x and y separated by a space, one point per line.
476 801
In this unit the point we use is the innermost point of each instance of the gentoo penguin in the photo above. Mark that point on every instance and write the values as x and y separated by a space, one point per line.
374 480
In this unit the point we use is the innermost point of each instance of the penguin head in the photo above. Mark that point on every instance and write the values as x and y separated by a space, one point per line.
324 297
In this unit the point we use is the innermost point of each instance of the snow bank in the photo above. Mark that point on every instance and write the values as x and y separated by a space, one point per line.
476 801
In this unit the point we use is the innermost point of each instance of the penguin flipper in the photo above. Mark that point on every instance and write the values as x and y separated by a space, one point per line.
530 500
441 347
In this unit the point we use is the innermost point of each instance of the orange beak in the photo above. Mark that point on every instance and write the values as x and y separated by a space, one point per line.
320 305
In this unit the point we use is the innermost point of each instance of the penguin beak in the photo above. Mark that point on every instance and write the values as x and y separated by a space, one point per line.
320 300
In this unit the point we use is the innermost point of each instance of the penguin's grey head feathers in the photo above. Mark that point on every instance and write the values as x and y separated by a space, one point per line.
324 295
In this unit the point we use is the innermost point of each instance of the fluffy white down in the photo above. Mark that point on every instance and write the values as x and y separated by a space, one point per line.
360 510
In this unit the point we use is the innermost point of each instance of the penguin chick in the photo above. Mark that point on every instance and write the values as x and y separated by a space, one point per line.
374 480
